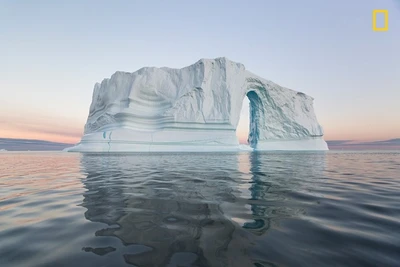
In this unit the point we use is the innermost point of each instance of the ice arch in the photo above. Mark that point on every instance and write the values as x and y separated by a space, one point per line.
196 108
280 118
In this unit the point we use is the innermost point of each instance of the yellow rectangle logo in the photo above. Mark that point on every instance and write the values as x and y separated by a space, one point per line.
386 14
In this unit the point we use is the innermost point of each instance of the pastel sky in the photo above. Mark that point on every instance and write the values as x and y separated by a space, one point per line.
53 52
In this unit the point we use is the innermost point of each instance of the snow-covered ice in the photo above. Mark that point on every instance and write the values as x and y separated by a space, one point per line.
197 108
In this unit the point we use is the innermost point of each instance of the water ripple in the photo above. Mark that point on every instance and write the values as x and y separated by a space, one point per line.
200 209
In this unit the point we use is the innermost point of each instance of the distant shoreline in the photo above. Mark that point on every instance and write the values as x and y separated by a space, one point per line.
25 145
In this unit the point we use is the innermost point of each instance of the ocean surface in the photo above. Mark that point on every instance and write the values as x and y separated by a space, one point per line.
200 209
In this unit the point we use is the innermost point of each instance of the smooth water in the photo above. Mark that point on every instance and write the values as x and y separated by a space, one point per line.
199 209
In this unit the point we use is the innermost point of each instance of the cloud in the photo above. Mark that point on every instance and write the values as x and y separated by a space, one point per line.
43 127
390 142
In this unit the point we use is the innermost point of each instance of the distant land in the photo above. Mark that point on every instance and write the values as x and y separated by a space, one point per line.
10 144
356 145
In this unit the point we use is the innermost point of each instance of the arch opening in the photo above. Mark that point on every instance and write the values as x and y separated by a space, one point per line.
248 129
242 129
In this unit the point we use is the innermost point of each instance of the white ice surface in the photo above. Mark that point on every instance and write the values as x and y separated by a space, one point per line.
197 108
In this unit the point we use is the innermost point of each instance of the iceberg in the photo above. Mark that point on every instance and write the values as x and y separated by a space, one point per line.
197 108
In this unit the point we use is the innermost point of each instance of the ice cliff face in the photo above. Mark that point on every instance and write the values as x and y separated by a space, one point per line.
197 108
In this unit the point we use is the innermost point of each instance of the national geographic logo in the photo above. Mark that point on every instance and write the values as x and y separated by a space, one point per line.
386 20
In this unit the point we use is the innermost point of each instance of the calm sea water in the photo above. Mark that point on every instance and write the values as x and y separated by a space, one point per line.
235 209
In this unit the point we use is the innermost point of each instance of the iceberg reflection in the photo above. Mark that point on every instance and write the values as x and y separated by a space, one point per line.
178 209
